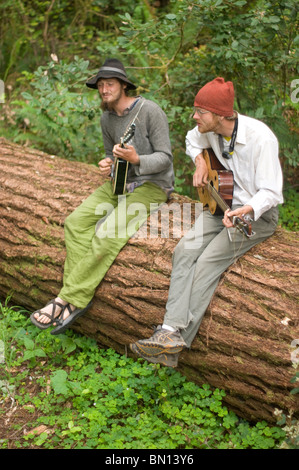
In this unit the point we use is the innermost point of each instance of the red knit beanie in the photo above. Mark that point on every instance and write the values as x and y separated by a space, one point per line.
216 96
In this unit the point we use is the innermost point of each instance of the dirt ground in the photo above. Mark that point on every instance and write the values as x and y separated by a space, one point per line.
14 424
15 420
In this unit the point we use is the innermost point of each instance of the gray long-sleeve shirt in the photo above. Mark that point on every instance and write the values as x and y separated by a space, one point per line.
151 141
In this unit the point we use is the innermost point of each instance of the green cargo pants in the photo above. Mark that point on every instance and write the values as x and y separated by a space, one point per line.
96 232
199 260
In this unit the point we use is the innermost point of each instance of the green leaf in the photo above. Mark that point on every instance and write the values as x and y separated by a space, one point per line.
41 439
59 382
27 95
68 344
170 16
39 352
28 355
29 344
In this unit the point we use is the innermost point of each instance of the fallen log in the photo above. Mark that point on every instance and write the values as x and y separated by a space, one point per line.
246 341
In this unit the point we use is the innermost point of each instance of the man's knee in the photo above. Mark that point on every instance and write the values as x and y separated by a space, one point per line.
72 222
184 254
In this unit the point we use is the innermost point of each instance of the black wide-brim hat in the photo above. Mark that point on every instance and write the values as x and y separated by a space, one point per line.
112 68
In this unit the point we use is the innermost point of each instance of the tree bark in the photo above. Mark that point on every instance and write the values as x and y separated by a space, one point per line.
246 344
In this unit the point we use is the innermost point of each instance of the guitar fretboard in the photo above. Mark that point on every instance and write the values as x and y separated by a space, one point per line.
221 203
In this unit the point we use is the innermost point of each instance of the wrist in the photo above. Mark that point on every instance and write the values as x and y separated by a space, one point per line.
136 160
199 159
247 209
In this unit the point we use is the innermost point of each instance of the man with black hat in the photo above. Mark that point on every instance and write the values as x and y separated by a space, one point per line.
249 149
100 227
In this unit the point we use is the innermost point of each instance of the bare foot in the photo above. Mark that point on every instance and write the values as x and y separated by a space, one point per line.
48 309
66 313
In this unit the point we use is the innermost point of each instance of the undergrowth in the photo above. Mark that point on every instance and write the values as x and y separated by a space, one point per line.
83 397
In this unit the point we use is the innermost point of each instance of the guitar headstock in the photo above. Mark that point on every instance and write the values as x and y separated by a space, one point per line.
128 135
244 225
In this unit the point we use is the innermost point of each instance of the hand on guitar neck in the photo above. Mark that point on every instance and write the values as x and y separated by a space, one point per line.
127 153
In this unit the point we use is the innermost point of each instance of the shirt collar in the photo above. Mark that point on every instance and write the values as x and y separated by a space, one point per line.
129 109
241 136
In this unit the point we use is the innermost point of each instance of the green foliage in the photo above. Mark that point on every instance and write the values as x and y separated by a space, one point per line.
290 425
289 213
87 397
57 115
295 379
31 30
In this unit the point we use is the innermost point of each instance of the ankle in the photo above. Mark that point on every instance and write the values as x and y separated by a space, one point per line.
61 301
169 328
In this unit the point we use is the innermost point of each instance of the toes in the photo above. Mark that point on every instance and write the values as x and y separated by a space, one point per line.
42 318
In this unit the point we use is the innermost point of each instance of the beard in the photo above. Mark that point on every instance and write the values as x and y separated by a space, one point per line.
211 126
109 106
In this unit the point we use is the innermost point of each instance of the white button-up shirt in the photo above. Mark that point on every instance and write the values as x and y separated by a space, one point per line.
255 163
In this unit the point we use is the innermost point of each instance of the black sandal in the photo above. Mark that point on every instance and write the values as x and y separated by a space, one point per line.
51 316
73 315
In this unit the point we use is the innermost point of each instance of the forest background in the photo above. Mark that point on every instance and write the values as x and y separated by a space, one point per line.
170 48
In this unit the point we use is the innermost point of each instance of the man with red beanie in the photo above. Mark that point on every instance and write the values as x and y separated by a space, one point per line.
249 149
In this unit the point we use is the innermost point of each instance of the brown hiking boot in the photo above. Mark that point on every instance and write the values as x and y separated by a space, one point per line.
163 341
169 360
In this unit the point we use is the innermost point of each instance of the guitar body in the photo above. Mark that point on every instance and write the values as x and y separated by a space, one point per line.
221 180
119 178
120 170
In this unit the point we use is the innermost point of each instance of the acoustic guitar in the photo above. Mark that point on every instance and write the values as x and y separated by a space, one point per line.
120 168
217 195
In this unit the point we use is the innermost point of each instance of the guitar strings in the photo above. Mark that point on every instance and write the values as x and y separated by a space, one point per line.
224 206
132 122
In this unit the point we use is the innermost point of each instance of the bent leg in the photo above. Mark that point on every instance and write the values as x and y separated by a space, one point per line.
106 243
79 230
194 279
215 259
185 256
79 227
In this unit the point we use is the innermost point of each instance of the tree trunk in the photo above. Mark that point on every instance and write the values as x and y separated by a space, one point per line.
246 342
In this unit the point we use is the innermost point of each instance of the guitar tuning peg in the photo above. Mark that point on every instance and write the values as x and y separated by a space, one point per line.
247 218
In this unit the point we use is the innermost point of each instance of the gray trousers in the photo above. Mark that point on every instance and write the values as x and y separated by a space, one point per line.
199 259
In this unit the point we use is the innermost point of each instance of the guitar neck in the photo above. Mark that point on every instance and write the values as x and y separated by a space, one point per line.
238 222
221 203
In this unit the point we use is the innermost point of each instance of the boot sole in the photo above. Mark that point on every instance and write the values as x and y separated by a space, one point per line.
164 359
155 349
